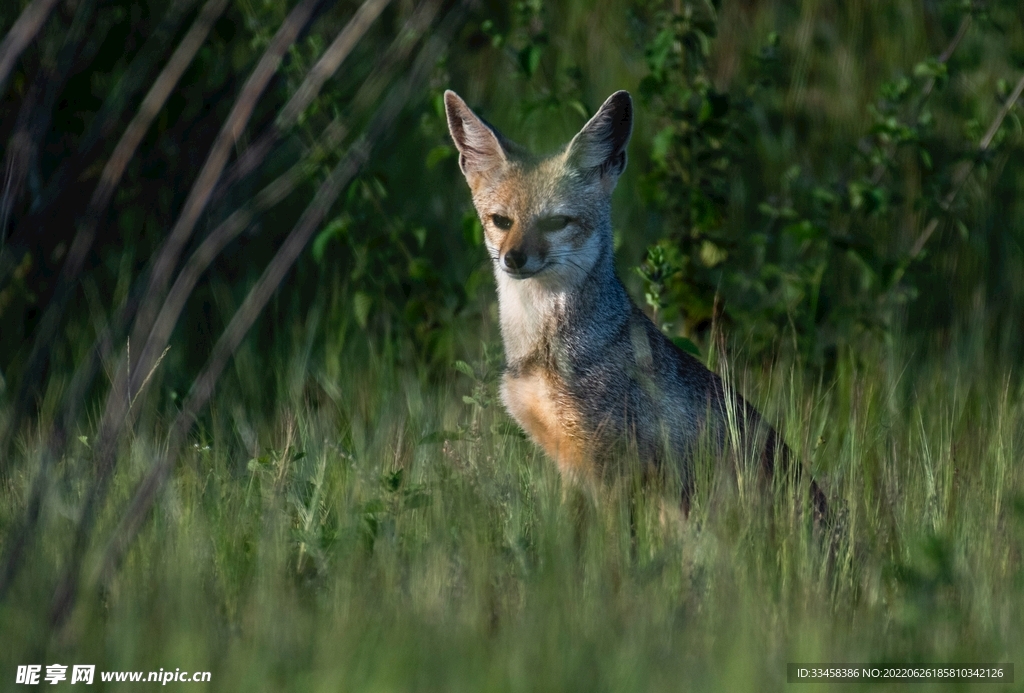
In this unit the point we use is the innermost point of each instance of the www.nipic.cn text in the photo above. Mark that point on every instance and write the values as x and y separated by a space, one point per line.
33 674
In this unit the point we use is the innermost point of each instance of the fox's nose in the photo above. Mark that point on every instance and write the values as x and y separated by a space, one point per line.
515 259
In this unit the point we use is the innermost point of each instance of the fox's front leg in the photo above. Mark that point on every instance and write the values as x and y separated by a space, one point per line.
533 401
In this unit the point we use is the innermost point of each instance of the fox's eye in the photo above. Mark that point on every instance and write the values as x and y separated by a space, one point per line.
556 223
503 223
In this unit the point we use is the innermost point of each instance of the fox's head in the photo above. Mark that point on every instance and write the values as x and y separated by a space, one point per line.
544 217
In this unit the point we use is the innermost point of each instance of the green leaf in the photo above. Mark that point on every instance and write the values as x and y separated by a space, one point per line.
711 255
529 59
705 111
824 195
660 144
335 228
373 507
659 49
506 427
392 480
319 244
579 108
440 437
687 345
802 230
361 303
931 68
472 229
439 154
419 268
126 221
416 499
463 367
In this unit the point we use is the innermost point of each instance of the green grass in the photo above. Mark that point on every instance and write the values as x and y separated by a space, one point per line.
336 545
344 519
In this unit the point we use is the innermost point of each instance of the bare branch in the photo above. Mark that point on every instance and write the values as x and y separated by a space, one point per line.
21 34
33 228
947 53
1001 116
73 399
965 24
36 112
226 232
110 178
21 535
328 64
114 169
383 74
116 417
330 61
199 195
960 179
260 294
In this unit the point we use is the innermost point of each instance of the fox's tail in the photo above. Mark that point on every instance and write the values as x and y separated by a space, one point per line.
779 459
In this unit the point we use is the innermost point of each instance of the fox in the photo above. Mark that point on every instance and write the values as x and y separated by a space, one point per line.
586 370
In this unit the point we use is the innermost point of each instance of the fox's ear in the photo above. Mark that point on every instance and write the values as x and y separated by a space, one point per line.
479 145
601 144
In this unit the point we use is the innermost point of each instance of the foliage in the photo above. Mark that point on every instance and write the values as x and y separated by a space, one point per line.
354 509
366 544
824 260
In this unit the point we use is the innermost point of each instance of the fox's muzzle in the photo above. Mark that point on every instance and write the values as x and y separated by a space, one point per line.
518 263
514 260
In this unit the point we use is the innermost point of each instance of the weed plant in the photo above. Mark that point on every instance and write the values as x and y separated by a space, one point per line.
376 531
355 511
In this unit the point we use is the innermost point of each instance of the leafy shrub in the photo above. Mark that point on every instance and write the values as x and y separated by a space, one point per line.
831 253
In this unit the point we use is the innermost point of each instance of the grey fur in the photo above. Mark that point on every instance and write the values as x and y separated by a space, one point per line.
609 373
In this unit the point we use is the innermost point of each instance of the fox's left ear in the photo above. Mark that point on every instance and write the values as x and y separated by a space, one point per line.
601 144
480 145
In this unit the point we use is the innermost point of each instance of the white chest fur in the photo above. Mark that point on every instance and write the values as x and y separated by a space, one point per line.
528 311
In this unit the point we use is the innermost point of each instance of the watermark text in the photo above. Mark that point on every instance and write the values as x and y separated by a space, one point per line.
35 674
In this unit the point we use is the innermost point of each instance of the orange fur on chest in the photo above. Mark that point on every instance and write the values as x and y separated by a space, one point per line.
533 401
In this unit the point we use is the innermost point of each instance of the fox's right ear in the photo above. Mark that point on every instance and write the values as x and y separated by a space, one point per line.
601 144
479 145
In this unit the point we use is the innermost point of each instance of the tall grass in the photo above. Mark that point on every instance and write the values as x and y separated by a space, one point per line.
345 519
377 531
